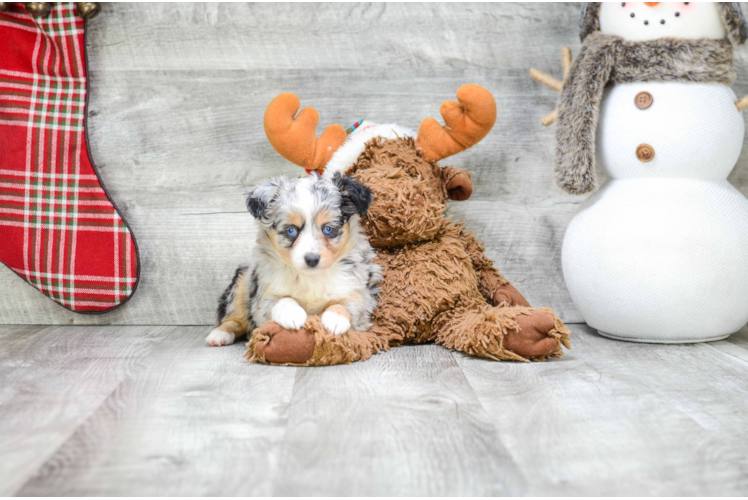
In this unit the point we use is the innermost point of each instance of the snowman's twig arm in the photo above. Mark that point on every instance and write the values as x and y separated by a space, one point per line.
546 79
566 60
554 83
549 118
742 103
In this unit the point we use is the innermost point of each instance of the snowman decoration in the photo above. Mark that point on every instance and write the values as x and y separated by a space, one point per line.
660 252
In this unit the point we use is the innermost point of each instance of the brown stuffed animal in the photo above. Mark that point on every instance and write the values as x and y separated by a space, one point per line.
438 284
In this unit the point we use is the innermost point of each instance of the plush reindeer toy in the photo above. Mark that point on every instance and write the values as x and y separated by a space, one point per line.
438 285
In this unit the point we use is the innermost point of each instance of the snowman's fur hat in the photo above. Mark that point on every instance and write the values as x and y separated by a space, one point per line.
732 17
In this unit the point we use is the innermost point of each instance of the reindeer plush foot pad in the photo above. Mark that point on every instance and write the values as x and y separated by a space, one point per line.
271 343
504 333
540 335
312 345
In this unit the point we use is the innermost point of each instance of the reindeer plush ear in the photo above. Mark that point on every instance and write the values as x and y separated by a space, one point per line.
295 137
458 183
466 122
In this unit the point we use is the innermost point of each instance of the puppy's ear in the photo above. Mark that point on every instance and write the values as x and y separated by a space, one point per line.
261 197
357 198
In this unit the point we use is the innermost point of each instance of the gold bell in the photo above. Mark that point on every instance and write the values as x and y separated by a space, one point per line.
88 10
40 9
4 6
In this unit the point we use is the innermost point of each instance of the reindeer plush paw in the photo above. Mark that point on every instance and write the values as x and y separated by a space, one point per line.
540 335
271 343
312 345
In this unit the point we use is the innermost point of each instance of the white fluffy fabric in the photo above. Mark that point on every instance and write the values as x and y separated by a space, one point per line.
660 260
348 153
695 129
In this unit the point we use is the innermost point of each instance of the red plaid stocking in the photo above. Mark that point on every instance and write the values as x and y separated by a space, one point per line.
58 227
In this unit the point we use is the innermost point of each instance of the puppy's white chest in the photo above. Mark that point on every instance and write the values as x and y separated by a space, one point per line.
316 293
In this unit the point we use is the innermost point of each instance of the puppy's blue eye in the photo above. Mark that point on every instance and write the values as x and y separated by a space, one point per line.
327 230
292 232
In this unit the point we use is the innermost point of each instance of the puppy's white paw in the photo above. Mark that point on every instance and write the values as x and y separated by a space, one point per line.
289 314
335 323
219 337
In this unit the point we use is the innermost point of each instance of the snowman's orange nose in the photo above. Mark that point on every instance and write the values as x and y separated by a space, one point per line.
651 4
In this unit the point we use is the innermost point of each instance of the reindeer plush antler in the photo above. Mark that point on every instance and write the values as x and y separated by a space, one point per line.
296 138
467 122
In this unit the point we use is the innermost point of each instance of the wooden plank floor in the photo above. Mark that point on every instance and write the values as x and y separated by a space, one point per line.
138 410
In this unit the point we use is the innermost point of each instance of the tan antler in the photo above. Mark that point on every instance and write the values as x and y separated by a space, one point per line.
466 122
296 138
553 83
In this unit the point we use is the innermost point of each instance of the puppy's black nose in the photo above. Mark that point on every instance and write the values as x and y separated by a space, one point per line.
311 259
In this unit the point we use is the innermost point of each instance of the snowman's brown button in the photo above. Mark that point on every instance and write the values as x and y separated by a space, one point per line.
645 152
643 100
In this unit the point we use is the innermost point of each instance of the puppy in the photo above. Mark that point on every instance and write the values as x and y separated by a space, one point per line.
311 258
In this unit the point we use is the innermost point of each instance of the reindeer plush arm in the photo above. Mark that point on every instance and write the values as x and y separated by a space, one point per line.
490 278
494 287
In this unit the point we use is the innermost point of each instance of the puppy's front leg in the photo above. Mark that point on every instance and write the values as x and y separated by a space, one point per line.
233 317
227 332
336 319
288 314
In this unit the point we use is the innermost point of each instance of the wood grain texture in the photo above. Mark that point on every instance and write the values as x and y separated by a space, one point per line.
52 379
623 418
197 421
406 423
177 97
126 411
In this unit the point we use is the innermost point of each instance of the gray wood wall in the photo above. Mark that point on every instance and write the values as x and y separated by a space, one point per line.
177 98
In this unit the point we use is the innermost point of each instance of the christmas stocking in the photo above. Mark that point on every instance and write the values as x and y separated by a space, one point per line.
59 229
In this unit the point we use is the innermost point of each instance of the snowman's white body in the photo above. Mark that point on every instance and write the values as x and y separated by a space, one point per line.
660 253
